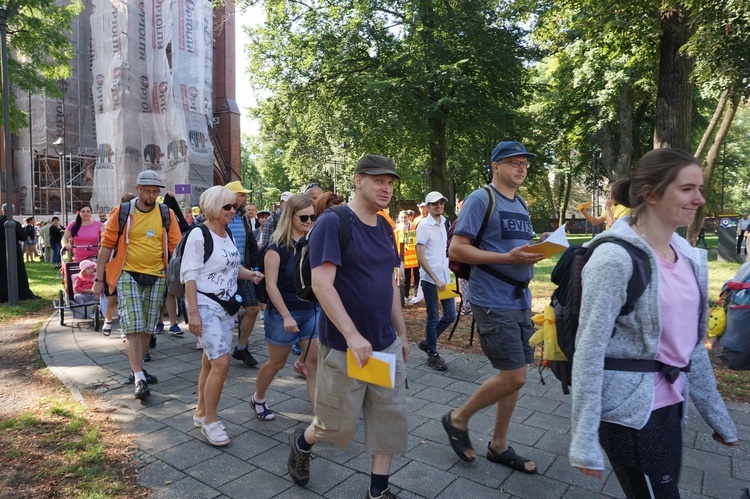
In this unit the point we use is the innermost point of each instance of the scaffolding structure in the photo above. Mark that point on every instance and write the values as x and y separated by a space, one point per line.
49 188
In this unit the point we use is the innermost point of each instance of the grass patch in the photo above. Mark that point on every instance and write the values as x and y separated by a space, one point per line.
44 281
54 448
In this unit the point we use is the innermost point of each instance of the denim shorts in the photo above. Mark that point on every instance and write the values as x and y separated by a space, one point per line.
307 322
504 336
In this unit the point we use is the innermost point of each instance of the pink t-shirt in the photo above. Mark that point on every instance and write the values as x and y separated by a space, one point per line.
86 243
679 303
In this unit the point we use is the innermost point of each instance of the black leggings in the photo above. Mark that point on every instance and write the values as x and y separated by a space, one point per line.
407 280
647 461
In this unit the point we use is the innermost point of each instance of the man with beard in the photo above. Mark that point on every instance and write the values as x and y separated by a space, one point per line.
138 269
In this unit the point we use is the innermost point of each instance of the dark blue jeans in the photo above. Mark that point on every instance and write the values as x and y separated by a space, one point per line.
436 324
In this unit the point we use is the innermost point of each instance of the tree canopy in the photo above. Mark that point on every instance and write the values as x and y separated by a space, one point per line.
39 49
590 85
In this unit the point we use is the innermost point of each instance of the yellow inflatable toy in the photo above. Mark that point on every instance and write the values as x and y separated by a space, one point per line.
584 205
717 322
547 334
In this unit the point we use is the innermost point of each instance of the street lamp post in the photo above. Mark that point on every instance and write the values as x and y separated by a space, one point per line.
10 224
60 142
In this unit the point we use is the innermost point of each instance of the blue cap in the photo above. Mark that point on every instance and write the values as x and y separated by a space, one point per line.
508 149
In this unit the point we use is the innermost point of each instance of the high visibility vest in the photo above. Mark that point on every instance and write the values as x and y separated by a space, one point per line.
406 239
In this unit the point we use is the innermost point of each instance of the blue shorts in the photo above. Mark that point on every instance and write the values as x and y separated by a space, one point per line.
273 324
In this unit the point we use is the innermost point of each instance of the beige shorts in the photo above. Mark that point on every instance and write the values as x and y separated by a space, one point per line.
339 400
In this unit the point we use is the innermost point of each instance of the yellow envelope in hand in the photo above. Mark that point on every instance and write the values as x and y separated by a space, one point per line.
379 370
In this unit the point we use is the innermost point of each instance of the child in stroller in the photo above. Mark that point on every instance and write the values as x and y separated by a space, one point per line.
83 284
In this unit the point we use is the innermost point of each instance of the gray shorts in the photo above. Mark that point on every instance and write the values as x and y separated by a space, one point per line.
504 336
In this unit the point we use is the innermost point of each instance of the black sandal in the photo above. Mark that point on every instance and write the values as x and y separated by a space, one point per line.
265 414
459 439
510 459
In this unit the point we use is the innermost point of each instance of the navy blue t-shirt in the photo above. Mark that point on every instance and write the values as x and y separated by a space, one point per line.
364 278
285 281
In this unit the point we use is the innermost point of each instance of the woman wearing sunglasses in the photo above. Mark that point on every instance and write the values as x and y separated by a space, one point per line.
207 318
287 319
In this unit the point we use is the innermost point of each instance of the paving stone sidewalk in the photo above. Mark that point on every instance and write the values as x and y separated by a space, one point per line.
175 461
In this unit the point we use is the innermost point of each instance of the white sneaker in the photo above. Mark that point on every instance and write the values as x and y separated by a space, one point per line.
415 300
198 422
215 434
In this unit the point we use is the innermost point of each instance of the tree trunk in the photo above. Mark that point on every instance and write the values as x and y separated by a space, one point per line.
712 124
566 199
439 159
607 148
674 95
713 153
622 168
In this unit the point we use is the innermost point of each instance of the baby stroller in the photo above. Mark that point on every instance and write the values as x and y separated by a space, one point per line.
65 301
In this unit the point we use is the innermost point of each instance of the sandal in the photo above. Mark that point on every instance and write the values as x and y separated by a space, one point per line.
510 459
107 328
300 368
265 414
459 439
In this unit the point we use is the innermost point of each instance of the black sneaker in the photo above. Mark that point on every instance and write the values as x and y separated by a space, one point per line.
299 462
151 380
422 345
147 357
437 363
245 356
141 390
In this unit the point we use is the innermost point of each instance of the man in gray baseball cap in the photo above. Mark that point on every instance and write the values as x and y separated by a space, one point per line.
150 177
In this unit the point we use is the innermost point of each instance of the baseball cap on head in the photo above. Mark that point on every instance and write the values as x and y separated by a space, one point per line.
421 205
508 149
150 177
434 197
236 186
285 196
372 164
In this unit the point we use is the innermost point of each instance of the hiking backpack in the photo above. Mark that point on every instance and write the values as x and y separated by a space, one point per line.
260 289
735 342
463 270
302 269
566 299
174 285
125 208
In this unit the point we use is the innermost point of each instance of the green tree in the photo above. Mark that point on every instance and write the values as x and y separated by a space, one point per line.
431 84
39 50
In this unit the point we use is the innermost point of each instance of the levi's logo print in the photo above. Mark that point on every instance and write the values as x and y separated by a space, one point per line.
515 226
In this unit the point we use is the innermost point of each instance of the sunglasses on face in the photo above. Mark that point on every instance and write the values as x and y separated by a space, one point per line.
305 218
228 207
311 186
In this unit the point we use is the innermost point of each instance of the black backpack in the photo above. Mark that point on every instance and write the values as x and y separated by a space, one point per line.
174 285
566 299
125 208
261 294
302 270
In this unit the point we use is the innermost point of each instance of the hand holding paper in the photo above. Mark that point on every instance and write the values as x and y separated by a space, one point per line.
554 244
379 370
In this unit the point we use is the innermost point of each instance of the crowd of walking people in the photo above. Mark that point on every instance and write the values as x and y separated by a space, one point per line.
235 257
